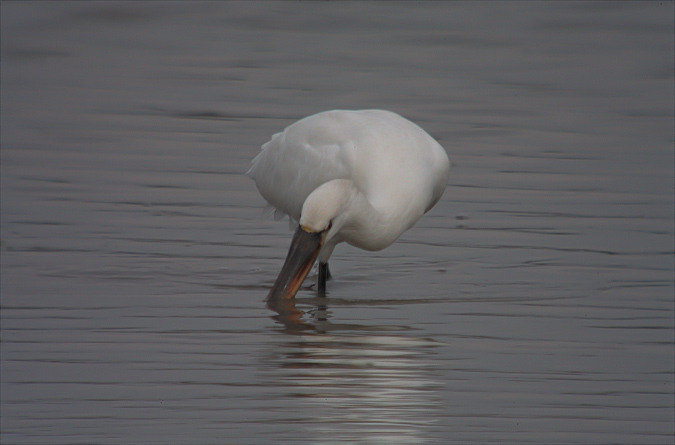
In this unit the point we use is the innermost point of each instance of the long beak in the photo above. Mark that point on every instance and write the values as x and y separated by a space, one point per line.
304 249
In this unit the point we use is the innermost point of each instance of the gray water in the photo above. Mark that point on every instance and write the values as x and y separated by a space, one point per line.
533 304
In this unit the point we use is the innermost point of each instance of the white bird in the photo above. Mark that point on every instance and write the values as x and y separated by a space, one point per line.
360 177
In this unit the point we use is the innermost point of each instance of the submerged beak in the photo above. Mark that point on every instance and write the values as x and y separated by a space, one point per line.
304 249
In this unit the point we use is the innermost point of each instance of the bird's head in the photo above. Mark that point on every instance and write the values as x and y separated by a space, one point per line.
323 214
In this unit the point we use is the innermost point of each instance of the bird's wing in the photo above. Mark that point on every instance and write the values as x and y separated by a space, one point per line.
294 163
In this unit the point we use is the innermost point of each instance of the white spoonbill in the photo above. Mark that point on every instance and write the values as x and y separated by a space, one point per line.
360 177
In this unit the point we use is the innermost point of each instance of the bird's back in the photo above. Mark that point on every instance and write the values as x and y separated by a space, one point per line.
395 163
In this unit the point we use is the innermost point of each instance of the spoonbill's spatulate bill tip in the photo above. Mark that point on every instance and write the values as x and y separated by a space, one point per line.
360 177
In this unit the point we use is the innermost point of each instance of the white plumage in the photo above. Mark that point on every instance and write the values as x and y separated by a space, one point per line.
362 177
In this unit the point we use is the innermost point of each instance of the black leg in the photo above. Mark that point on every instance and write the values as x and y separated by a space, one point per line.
324 275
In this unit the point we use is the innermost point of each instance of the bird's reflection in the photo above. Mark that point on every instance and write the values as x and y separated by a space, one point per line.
288 315
292 318
353 383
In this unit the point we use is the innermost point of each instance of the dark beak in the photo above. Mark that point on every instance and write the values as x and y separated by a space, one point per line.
304 249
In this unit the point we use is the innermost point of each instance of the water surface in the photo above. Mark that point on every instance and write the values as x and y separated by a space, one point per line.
533 304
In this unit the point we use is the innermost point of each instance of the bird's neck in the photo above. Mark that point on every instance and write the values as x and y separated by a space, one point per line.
369 226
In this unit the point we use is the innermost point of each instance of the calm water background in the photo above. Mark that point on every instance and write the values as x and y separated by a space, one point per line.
534 304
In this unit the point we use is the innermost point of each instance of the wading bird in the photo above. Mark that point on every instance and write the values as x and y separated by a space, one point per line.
360 177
